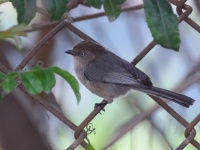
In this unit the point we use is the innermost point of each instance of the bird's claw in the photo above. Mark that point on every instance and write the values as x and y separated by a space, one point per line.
103 104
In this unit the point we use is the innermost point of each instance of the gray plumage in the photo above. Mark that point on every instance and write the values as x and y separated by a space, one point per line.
110 76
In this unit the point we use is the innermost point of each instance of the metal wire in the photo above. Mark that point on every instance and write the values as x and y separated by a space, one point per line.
79 133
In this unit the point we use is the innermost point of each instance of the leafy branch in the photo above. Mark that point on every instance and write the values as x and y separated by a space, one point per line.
163 23
38 80
160 18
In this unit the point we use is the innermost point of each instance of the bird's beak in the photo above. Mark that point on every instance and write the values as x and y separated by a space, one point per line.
71 52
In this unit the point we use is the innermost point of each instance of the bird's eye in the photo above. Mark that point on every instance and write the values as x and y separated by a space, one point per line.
82 54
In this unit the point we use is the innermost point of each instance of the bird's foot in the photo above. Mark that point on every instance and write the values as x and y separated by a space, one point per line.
103 104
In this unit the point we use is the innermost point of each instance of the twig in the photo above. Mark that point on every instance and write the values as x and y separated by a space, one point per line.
43 26
101 14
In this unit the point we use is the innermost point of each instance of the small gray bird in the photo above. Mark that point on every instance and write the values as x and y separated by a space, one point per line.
109 76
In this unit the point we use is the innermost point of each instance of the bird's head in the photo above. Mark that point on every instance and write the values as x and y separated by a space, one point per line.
86 52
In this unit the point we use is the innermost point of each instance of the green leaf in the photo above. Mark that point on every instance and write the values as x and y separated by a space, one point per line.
12 74
14 32
48 81
95 3
30 10
55 8
162 23
112 8
89 147
26 10
31 82
20 8
17 30
46 77
9 83
69 78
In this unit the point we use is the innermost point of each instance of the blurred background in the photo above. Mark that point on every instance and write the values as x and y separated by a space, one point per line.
27 125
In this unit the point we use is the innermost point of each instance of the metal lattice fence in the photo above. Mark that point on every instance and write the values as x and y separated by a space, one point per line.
80 134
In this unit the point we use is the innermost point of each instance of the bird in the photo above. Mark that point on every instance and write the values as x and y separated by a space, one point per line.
109 76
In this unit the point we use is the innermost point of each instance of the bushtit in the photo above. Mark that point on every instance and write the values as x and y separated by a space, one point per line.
109 76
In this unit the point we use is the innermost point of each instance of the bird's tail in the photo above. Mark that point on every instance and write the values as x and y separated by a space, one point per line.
162 93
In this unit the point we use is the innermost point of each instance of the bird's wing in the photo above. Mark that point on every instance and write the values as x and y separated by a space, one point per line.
110 69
